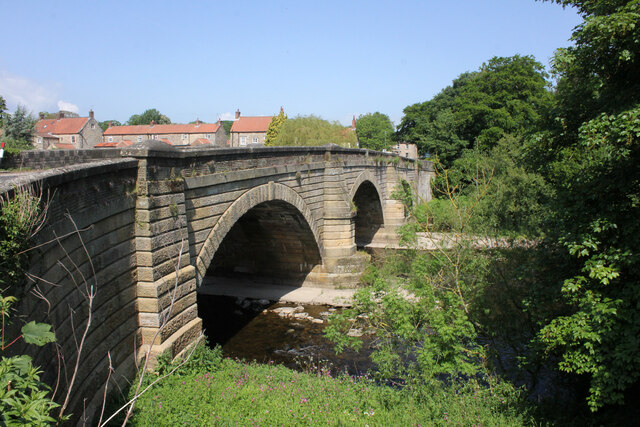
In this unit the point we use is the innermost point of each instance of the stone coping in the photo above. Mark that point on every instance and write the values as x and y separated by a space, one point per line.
60 175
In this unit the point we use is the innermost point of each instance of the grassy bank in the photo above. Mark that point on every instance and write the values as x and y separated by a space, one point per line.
229 392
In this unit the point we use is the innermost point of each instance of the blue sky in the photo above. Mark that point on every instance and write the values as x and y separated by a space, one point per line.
205 59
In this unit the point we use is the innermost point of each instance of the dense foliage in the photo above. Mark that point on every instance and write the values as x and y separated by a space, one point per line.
150 115
591 159
312 130
506 96
20 126
375 131
3 109
105 125
274 128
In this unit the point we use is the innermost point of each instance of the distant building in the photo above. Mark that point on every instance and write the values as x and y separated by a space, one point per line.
248 130
191 134
404 149
67 132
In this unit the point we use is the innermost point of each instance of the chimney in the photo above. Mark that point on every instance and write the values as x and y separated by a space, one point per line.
41 115
281 110
60 115
91 114
353 122
197 122
110 124
237 114
152 123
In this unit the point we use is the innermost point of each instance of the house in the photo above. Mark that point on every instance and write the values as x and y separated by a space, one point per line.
405 149
249 130
67 132
191 134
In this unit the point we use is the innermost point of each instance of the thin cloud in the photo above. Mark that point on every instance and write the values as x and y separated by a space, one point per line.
67 106
17 90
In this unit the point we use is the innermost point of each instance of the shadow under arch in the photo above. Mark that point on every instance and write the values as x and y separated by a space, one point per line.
370 215
267 201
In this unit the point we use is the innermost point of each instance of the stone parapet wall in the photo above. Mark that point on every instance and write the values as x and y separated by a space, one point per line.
88 240
45 159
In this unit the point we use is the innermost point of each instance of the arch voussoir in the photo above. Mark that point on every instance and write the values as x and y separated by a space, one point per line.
264 193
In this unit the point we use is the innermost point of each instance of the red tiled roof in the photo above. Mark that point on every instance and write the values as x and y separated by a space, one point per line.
64 126
251 124
123 143
200 141
162 129
166 141
63 146
106 145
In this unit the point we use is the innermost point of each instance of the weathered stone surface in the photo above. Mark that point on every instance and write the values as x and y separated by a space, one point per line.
154 221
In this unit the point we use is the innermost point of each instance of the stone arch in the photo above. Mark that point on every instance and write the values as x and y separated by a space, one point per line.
370 177
370 215
264 193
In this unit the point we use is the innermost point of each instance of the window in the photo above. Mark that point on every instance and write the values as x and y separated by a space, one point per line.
184 136
208 136
110 139
139 138
73 138
93 125
243 140
154 137
255 139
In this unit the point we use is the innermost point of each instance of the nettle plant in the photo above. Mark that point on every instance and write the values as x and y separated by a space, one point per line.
24 399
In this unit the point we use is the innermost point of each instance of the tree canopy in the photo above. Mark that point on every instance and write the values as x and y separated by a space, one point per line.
375 131
3 109
274 127
147 117
105 125
505 96
20 125
312 130
591 158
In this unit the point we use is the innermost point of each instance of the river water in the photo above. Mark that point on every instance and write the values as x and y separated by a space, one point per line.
253 330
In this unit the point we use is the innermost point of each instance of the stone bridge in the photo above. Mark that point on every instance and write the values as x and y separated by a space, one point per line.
154 221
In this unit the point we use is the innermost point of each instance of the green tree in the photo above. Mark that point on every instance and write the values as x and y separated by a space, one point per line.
375 131
591 158
312 130
3 109
274 128
105 125
505 96
20 125
147 117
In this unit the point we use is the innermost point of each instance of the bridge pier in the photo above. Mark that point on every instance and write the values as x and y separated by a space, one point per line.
342 264
166 297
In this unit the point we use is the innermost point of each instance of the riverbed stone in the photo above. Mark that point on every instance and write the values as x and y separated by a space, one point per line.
285 311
